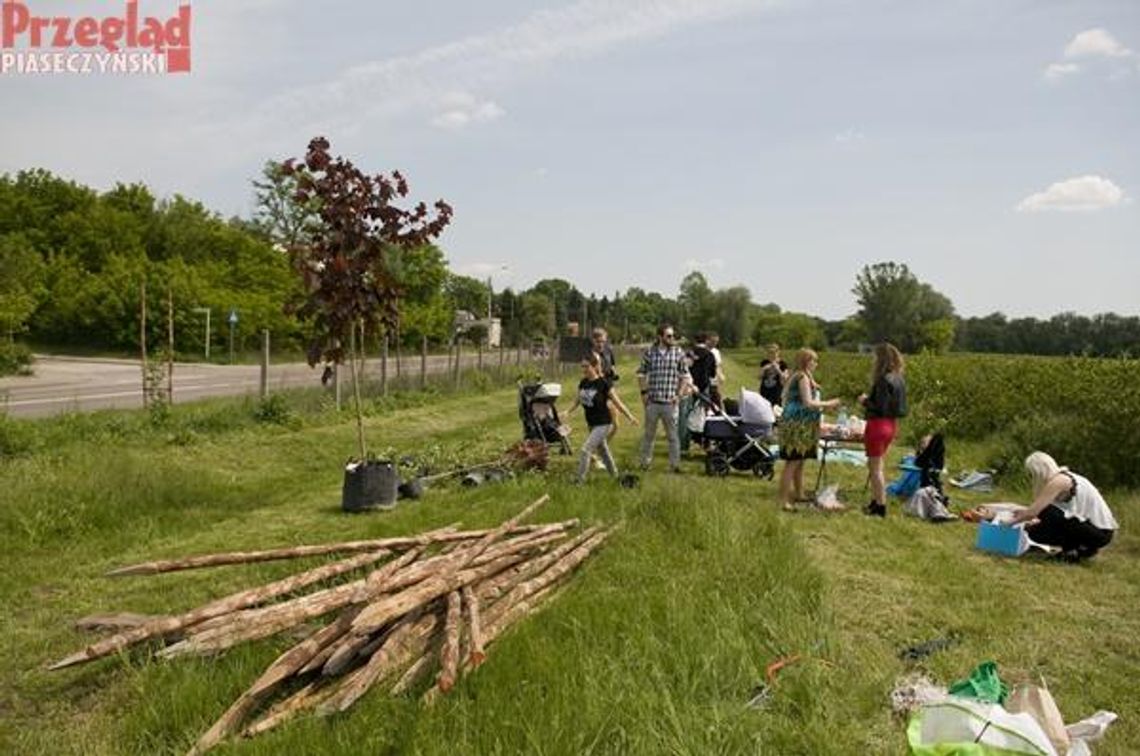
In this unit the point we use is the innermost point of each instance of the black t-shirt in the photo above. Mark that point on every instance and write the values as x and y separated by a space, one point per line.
772 382
703 368
594 397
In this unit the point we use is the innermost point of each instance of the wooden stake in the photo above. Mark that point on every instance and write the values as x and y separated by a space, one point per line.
274 676
240 600
449 654
406 641
260 623
475 645
555 572
443 535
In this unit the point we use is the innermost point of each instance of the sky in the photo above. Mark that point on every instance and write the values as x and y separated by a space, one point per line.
991 146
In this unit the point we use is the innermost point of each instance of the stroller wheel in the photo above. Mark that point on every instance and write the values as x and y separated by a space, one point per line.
764 469
716 464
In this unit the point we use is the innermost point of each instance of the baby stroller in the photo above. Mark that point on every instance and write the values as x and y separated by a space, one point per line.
922 469
737 442
539 416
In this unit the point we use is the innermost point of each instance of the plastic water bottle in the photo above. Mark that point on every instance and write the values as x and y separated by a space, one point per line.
841 421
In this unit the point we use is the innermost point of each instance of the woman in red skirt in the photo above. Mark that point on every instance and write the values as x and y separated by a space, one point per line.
884 406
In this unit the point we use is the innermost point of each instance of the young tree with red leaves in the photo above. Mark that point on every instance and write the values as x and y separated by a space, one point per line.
346 266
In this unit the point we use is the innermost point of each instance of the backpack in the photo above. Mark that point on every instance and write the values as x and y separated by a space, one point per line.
930 504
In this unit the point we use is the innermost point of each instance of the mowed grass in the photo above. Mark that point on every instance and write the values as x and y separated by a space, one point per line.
654 647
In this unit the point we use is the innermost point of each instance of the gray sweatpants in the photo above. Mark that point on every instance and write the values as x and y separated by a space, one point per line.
667 414
596 441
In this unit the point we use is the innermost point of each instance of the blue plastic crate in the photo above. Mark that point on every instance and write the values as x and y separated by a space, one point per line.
1002 539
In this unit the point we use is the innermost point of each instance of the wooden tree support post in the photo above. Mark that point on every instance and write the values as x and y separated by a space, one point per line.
169 346
384 367
458 357
264 364
423 363
142 339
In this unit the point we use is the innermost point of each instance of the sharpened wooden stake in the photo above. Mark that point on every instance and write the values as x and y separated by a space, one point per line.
449 654
224 606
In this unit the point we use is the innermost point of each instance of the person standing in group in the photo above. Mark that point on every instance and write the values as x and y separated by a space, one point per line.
602 348
702 368
664 378
773 376
595 395
884 406
799 426
712 338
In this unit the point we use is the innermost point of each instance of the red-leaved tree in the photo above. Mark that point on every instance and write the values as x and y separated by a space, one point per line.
350 286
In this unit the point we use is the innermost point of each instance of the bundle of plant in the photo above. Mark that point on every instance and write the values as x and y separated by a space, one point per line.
527 455
391 612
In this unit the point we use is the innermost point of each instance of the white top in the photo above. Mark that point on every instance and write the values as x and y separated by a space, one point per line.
1087 505
718 374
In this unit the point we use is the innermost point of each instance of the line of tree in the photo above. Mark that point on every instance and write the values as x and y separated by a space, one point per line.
72 260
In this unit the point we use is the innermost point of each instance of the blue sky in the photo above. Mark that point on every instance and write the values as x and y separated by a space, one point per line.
778 144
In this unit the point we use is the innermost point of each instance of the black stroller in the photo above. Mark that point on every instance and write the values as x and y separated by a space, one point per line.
539 416
732 444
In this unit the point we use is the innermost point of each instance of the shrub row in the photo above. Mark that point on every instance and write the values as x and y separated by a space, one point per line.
1084 411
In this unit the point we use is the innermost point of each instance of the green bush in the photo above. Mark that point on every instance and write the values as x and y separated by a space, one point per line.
275 410
1082 410
15 359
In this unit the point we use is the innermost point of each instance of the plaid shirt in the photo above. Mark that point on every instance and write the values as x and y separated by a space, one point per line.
664 369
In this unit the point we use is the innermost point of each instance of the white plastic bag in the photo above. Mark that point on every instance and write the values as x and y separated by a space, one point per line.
696 419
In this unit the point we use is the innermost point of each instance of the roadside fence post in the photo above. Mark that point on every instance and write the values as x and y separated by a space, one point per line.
265 363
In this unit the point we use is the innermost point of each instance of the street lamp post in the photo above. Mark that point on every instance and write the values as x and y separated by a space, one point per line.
206 310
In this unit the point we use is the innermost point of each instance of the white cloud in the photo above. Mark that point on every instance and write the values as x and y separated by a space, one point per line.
849 136
1092 44
1096 42
462 109
396 86
1080 194
703 266
1058 70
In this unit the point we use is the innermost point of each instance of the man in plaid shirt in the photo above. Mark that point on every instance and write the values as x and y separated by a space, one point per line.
663 377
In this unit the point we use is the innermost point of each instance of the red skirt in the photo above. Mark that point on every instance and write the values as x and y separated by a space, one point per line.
879 434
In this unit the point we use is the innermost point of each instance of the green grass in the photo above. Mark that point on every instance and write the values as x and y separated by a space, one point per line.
653 648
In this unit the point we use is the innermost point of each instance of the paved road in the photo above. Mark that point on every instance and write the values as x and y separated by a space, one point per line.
63 384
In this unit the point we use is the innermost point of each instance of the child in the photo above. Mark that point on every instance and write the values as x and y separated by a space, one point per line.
595 393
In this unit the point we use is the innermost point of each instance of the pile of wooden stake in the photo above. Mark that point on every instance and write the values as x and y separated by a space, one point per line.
433 601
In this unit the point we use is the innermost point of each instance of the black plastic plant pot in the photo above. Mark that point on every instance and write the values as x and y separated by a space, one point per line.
371 484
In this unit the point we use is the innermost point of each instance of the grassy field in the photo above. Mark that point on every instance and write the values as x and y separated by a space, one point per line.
655 647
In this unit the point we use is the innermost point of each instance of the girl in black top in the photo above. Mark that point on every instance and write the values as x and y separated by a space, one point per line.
884 406
595 394
773 374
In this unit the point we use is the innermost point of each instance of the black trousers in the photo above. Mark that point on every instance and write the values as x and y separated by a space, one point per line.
1069 533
